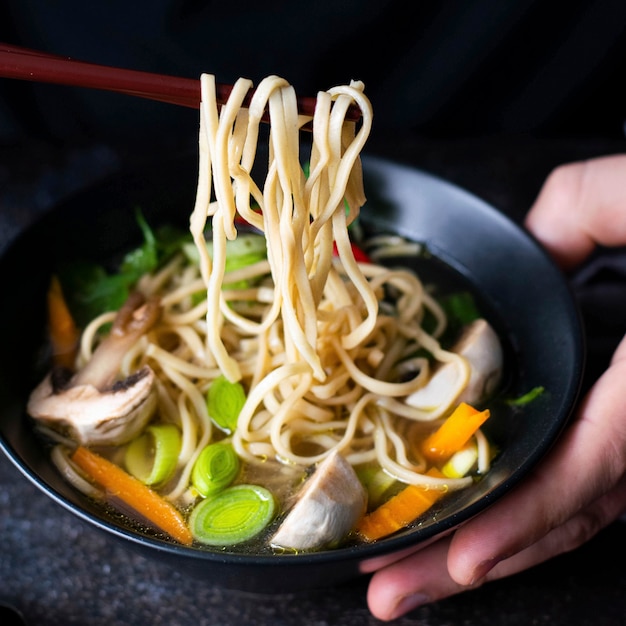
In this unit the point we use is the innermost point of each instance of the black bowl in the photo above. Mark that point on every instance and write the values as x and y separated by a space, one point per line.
522 292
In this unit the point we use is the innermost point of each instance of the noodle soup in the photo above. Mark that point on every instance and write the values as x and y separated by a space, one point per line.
184 384
271 382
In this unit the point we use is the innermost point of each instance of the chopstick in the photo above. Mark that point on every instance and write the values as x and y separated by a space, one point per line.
35 66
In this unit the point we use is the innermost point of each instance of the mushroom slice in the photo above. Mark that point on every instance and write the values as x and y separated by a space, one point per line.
327 508
93 406
480 345
94 417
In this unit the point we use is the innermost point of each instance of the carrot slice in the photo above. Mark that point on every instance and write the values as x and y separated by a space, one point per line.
134 493
399 511
454 433
63 331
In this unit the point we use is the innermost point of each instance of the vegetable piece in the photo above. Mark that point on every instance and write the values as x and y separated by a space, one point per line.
143 259
399 511
234 515
157 247
454 433
461 462
94 405
113 416
461 307
529 396
360 256
242 222
378 484
215 468
133 492
152 457
64 334
246 249
92 290
224 402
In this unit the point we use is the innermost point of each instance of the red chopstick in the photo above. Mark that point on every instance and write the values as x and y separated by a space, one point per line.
35 66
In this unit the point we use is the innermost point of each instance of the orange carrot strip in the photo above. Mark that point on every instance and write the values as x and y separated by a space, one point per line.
63 332
454 433
399 511
134 493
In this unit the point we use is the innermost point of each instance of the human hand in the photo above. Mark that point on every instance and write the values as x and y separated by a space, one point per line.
580 206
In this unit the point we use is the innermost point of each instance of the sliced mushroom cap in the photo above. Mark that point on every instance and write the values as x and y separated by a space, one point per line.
481 346
328 507
94 417
93 406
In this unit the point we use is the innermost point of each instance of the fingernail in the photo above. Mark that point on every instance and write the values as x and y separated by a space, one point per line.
408 603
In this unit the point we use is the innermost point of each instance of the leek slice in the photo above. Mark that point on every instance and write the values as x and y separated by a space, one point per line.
152 457
234 515
246 249
461 462
378 484
215 468
224 403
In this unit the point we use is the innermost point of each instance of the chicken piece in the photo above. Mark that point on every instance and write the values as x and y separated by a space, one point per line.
327 508
93 406
480 345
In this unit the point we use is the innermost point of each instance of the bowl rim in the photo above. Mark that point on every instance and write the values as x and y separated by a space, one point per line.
412 538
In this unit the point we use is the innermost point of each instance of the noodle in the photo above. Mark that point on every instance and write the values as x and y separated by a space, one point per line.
324 345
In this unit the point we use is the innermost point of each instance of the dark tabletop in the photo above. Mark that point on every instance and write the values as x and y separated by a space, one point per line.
58 570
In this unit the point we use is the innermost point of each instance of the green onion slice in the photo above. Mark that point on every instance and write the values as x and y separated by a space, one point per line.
224 403
215 468
528 397
232 516
152 457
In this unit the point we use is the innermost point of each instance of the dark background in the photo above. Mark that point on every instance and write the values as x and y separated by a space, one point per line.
438 69
490 95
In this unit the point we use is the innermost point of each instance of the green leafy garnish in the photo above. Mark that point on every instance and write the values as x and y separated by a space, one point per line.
234 515
93 290
224 403
529 396
460 307
144 258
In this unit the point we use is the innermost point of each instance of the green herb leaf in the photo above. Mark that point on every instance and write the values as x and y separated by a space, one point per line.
92 290
527 397
461 307
145 258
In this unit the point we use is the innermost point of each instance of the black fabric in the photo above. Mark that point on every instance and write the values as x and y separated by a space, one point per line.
456 68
